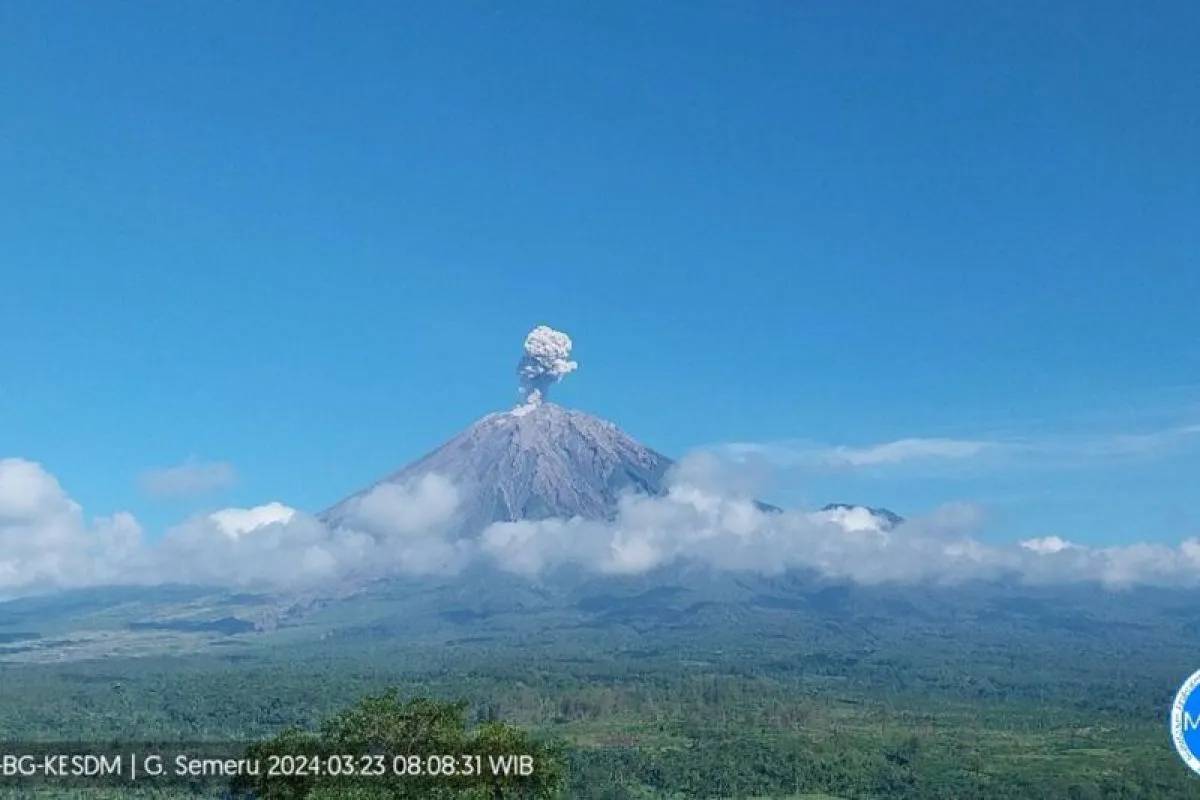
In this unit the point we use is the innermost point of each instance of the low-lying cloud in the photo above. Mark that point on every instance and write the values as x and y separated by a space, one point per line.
390 530
46 542
708 516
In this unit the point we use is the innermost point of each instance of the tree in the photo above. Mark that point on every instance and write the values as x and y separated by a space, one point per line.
418 748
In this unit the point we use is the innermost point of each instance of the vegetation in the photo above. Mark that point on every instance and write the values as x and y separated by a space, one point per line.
385 748
785 695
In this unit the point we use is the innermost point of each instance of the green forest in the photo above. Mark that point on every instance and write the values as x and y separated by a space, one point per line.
731 717
731 688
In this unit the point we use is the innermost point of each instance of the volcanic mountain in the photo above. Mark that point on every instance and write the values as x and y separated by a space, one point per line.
537 461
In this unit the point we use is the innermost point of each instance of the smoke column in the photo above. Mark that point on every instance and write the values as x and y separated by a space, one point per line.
547 359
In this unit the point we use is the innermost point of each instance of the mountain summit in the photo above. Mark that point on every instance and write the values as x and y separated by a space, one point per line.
540 460
536 461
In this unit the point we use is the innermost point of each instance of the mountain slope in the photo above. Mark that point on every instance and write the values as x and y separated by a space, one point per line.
534 462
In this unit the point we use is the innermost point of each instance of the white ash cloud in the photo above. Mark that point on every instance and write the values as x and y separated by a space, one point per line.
547 360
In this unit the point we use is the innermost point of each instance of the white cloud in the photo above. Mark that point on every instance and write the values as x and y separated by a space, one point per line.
907 450
29 493
392 529
708 516
270 546
1123 445
854 519
1047 545
45 541
233 522
804 454
729 531
411 509
189 479
1052 450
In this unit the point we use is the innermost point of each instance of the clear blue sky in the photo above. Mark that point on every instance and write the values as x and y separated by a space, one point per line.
307 239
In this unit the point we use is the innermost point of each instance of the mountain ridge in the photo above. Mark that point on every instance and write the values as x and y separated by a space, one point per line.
536 461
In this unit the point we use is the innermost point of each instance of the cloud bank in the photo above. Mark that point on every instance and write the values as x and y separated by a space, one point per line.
708 516
391 530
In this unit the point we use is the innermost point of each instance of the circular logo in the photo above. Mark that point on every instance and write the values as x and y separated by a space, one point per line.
1185 722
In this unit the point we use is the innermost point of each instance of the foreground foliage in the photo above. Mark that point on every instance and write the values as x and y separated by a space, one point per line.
381 728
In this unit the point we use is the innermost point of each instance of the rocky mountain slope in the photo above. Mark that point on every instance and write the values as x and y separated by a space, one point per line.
537 461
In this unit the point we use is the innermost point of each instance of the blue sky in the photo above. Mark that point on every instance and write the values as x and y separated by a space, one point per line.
306 240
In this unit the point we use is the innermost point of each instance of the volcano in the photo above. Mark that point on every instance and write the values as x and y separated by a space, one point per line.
537 461
541 461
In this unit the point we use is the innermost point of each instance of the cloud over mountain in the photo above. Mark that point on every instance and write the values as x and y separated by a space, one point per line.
409 529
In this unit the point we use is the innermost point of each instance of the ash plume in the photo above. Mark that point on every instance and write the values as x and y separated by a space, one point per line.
547 359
